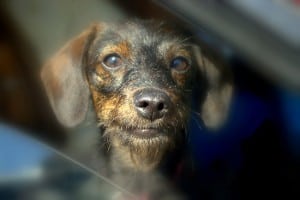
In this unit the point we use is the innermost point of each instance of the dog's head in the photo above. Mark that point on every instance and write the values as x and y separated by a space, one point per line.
141 77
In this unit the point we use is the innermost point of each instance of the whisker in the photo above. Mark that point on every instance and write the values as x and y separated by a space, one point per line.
197 113
186 135
196 120
185 39
188 90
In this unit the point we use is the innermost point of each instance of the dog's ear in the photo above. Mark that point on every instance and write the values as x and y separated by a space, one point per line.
216 91
64 79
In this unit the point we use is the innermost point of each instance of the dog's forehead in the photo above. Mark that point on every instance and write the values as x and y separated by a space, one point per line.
145 34
139 34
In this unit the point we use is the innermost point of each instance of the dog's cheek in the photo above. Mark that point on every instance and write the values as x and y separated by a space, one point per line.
185 81
181 100
180 79
126 114
105 106
99 77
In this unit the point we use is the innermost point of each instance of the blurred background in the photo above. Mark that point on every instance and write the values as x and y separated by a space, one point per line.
256 154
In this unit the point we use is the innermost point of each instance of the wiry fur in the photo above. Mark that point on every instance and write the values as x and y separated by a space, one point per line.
146 49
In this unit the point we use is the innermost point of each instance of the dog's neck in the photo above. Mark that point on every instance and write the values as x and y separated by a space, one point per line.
138 174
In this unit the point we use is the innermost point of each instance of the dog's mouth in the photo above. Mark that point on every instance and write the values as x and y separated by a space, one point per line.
142 132
146 132
137 130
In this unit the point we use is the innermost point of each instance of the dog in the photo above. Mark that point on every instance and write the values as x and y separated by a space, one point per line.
145 80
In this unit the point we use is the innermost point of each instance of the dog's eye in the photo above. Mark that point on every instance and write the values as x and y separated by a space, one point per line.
180 64
112 61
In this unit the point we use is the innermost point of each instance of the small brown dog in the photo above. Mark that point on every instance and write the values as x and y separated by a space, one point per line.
142 78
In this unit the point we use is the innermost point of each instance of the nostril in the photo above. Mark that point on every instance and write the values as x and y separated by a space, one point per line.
142 104
160 106
153 105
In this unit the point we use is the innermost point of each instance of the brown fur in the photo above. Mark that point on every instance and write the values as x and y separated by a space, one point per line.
146 51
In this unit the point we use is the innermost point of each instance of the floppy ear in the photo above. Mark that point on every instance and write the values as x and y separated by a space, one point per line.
217 90
64 79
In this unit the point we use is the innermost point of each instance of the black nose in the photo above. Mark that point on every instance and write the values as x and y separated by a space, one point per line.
151 103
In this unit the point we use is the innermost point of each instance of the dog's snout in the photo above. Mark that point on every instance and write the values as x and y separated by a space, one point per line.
151 103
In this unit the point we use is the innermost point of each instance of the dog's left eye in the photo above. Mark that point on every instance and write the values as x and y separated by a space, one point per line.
180 64
112 61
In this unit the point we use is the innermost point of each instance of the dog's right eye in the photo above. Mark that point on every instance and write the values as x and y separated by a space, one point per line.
112 61
180 64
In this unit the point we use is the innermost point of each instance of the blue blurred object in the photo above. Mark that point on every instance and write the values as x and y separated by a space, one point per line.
32 170
247 113
18 153
290 107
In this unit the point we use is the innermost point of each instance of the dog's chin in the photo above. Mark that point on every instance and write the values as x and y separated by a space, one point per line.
141 148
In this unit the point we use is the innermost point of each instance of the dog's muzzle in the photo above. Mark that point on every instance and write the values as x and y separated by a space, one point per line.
151 104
